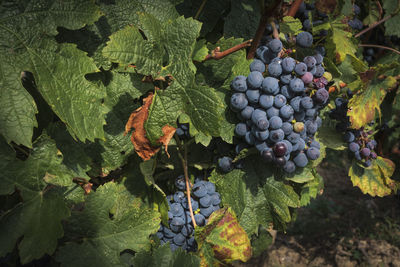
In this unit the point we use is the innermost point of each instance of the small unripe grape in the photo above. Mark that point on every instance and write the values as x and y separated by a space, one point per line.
298 127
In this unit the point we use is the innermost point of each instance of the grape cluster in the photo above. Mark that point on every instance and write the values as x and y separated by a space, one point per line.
279 113
359 142
183 131
180 231
308 11
355 23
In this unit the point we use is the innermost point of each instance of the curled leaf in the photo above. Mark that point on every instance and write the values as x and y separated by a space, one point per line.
143 146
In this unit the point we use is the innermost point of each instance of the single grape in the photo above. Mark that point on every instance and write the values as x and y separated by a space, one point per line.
275 123
279 101
349 137
321 96
307 102
293 137
280 149
315 144
311 127
285 79
299 116
307 78
280 161
354 147
275 46
206 211
180 182
270 85
304 39
187 229
298 127
241 129
356 24
319 58
274 69
215 198
296 85
210 187
356 9
179 196
365 152
257 65
310 61
266 101
260 52
267 154
296 103
262 124
253 96
300 160
262 135
300 68
260 145
239 84
276 135
176 209
247 112
288 64
239 101
289 167
205 201
319 71
254 80
272 111
286 111
168 233
200 219
313 153
258 114
311 113
287 128
249 138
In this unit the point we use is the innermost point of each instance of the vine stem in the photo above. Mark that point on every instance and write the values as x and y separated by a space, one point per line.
293 9
200 9
373 25
186 174
268 12
275 32
380 46
217 54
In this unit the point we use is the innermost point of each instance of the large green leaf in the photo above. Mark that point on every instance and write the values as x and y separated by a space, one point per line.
248 13
58 71
111 222
164 257
254 195
37 219
392 24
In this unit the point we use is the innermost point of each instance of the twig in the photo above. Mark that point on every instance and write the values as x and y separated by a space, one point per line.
268 12
380 46
293 9
200 9
373 25
217 54
21 150
185 172
275 32
380 8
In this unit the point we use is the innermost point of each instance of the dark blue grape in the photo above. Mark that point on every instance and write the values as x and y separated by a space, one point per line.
272 111
319 58
249 138
275 46
297 85
289 167
304 39
319 71
200 219
276 135
210 187
310 61
270 85
205 201
260 145
313 153
367 163
266 101
321 96
354 147
239 84
287 128
279 101
349 137
274 69
247 112
300 68
225 164
293 137
241 129
180 182
257 65
357 155
176 209
300 160
254 80
267 155
306 102
285 79
206 211
258 114
239 101
286 111
356 24
253 96
288 64
275 122
179 196
262 135
296 103
315 144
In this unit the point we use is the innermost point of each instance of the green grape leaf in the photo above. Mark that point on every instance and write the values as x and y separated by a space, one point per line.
200 51
37 219
362 106
127 12
373 13
301 176
58 74
339 42
248 13
254 195
347 8
110 223
391 25
163 256
291 25
374 180
329 137
311 189
226 237
261 242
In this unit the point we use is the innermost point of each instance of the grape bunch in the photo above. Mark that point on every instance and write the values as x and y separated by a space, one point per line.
279 113
359 142
180 231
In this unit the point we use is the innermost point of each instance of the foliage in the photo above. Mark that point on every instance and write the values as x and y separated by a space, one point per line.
73 72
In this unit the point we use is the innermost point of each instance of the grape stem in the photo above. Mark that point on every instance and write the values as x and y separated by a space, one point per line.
268 12
373 25
186 174
293 9
380 46
275 32
217 54
200 9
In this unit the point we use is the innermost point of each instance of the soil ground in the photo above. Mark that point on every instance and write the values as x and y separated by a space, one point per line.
341 227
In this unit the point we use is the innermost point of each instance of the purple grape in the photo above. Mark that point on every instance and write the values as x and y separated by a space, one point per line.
365 152
354 147
307 78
